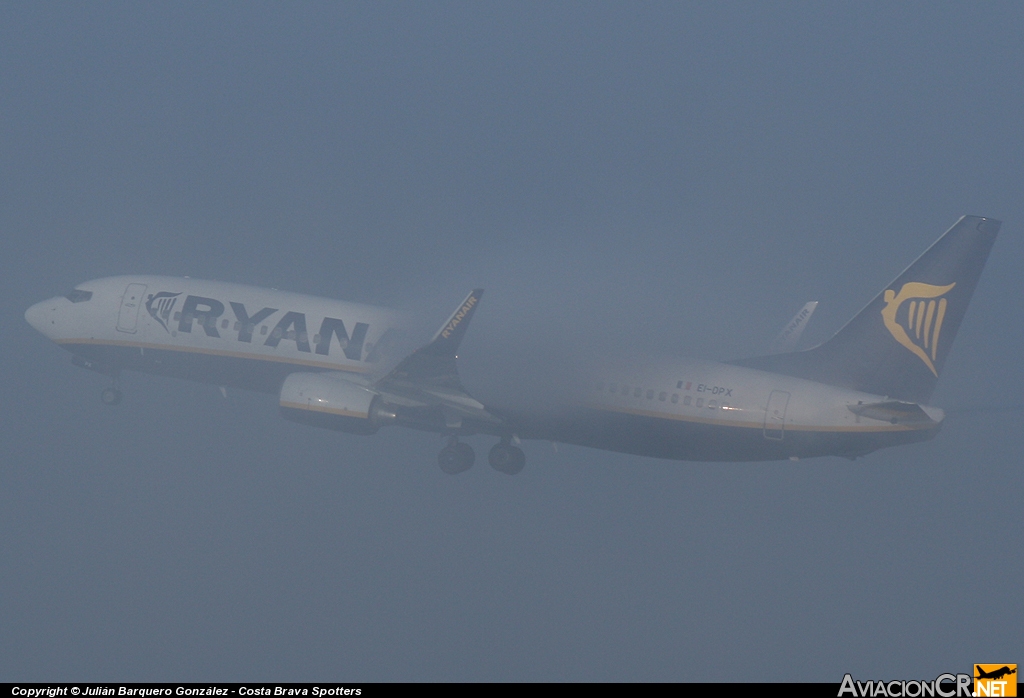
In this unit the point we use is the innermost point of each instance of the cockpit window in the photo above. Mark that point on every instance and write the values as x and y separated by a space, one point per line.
78 296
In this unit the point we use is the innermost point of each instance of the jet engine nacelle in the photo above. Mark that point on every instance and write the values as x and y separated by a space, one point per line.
323 400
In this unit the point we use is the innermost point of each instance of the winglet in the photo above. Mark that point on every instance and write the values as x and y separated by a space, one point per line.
446 340
789 337
434 363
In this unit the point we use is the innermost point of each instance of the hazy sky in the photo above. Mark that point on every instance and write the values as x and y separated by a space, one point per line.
621 178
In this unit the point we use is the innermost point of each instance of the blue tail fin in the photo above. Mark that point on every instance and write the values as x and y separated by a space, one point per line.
897 345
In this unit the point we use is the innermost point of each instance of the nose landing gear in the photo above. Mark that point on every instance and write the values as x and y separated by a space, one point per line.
506 458
456 457
112 395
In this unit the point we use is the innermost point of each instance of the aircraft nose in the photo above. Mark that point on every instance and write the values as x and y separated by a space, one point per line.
41 316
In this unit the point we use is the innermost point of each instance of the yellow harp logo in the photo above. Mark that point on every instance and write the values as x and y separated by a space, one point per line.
918 328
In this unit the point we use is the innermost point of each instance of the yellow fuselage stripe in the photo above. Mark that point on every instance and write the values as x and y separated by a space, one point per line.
328 410
758 425
216 352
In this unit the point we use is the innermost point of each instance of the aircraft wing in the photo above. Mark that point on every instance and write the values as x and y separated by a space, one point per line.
428 380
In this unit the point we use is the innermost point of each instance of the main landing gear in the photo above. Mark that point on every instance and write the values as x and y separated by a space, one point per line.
506 458
456 457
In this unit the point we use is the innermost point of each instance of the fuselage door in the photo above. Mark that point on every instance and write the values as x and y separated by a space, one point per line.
128 315
775 415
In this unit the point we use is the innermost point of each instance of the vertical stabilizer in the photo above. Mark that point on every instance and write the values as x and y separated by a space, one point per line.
897 345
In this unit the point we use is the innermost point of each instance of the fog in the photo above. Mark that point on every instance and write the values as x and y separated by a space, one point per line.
623 180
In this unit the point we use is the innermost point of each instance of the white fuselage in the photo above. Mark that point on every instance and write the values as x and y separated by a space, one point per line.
213 331
253 338
707 392
705 410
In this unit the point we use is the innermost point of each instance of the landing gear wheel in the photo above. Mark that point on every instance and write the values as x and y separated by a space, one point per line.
111 396
456 458
506 458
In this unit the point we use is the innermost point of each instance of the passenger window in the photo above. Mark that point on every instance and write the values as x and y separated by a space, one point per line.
223 324
700 402
712 404
662 396
679 385
675 398
290 334
263 329
687 400
238 325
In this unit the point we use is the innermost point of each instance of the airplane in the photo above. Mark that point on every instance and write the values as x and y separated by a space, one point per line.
864 389
995 673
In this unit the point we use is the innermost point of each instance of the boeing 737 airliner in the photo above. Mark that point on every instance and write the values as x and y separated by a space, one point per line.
331 365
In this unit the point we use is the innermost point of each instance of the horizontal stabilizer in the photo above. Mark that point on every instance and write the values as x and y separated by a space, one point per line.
897 412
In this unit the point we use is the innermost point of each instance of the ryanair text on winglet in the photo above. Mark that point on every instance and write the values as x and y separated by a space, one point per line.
945 686
458 317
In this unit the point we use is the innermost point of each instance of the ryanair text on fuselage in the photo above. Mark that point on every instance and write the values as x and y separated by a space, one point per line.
208 314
